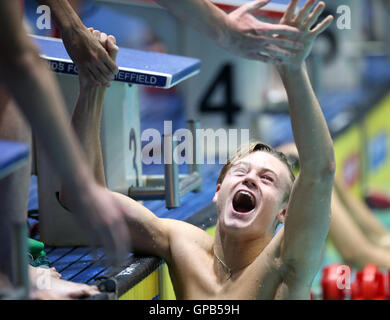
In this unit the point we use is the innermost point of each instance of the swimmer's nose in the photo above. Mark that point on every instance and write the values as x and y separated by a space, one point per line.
250 183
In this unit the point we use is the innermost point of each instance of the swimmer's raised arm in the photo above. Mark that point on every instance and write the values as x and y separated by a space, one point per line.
149 234
239 32
308 213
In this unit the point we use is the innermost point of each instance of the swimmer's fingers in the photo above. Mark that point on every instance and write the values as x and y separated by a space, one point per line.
112 48
250 7
103 68
54 273
91 58
321 27
290 11
304 12
313 17
109 43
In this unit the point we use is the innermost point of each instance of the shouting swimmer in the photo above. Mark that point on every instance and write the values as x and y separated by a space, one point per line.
255 191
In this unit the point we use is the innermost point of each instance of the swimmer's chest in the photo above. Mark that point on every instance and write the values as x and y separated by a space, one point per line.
194 277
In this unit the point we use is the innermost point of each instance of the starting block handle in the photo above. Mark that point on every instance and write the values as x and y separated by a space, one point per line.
171 173
171 186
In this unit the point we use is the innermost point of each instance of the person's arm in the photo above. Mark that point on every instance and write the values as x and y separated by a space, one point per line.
308 212
362 215
90 57
351 241
238 32
149 234
28 79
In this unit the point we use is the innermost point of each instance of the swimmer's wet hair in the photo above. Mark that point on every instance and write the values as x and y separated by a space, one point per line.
243 151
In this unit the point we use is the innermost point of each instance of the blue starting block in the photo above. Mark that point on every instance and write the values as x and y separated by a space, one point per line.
151 69
120 136
13 155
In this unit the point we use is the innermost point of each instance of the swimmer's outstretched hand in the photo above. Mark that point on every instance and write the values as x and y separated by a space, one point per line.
307 21
108 42
251 38
91 59
104 220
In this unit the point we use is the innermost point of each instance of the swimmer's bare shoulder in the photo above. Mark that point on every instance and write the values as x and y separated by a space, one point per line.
161 236
186 248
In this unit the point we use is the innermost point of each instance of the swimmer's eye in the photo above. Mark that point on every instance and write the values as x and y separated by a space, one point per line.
267 178
240 171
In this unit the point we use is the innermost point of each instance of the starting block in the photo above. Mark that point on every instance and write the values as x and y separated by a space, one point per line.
13 155
120 136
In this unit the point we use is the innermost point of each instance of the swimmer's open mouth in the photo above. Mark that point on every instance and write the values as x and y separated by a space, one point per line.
243 202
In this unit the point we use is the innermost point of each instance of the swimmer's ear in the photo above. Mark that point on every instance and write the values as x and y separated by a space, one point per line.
216 193
281 217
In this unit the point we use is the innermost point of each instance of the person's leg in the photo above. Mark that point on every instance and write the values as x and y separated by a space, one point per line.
350 241
362 215
14 188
